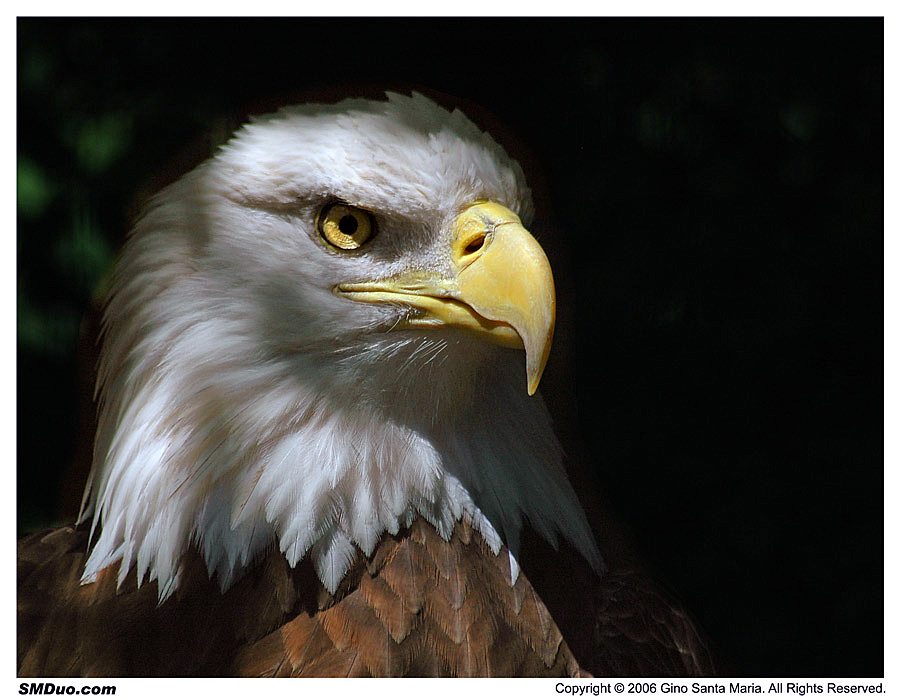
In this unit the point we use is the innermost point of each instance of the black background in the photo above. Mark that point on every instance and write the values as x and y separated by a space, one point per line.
716 191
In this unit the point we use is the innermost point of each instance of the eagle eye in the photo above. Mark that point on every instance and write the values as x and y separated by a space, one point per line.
345 227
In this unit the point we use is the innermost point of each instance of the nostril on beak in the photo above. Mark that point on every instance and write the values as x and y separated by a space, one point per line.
475 245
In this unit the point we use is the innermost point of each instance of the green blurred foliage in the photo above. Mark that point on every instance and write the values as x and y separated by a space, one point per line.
43 329
84 252
34 189
99 141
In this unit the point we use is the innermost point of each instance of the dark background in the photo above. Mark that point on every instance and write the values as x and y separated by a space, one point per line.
717 191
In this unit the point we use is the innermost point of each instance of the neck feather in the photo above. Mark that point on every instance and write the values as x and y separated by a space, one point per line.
319 454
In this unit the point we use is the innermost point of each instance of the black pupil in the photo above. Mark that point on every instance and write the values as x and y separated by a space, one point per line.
348 224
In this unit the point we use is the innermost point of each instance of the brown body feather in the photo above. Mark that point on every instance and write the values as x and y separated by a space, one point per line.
419 606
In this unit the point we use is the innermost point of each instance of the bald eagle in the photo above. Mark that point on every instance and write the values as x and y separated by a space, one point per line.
318 440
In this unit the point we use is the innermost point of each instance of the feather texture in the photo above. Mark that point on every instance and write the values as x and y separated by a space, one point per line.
242 403
419 605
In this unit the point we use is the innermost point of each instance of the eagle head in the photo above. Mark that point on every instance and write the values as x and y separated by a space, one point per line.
317 336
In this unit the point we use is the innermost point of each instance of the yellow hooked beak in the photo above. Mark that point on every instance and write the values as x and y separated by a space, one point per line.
501 287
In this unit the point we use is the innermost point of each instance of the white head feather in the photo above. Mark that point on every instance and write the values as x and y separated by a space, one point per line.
244 404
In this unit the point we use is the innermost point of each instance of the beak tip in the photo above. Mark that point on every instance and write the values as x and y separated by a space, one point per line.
536 360
534 378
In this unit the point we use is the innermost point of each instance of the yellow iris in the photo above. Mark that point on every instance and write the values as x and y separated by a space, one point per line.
344 226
